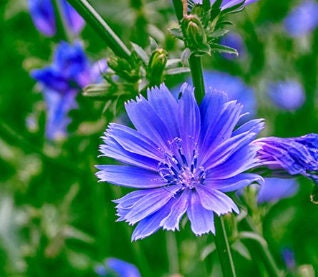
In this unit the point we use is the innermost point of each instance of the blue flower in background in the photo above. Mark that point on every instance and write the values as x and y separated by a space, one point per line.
303 19
43 16
228 3
234 88
234 41
182 158
117 268
295 156
61 81
274 189
287 95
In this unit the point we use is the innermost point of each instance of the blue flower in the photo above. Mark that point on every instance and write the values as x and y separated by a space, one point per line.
303 19
274 189
117 268
292 156
182 158
287 95
43 16
228 3
234 88
61 81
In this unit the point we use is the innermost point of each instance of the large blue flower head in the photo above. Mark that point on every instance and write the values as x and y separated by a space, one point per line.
287 95
303 19
182 158
61 81
43 16
117 268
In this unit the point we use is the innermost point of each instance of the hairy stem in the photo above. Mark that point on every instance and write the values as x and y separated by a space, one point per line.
101 27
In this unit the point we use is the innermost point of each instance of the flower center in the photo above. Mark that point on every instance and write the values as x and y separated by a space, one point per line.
180 167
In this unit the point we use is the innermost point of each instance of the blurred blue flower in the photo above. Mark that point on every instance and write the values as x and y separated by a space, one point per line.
117 268
303 19
234 88
295 156
43 16
274 189
182 158
61 81
287 95
228 3
289 258
234 41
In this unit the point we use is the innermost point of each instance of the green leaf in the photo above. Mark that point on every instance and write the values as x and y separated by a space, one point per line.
178 70
239 247
141 53
176 32
215 47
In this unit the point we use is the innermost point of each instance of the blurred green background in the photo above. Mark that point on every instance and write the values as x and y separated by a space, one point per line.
57 220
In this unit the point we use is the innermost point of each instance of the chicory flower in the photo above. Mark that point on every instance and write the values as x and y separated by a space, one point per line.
181 158
287 95
61 81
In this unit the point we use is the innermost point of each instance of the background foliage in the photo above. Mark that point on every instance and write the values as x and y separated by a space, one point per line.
57 220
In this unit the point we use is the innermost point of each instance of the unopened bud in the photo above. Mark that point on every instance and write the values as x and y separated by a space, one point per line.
156 66
194 34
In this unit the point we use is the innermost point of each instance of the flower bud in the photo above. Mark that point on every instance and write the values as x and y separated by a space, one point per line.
156 66
194 34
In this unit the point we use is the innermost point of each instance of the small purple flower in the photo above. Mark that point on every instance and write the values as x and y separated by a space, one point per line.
61 81
117 268
287 95
43 16
295 156
303 19
227 3
234 41
234 88
274 189
182 158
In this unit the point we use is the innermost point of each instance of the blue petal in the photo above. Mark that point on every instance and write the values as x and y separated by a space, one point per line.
165 106
134 142
216 201
129 176
150 224
219 124
178 208
58 106
113 149
189 117
147 122
242 160
74 21
276 188
42 13
51 79
153 201
234 183
201 219
225 150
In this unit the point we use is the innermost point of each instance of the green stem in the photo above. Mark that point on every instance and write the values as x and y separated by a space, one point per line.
101 27
223 248
263 250
195 63
172 251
